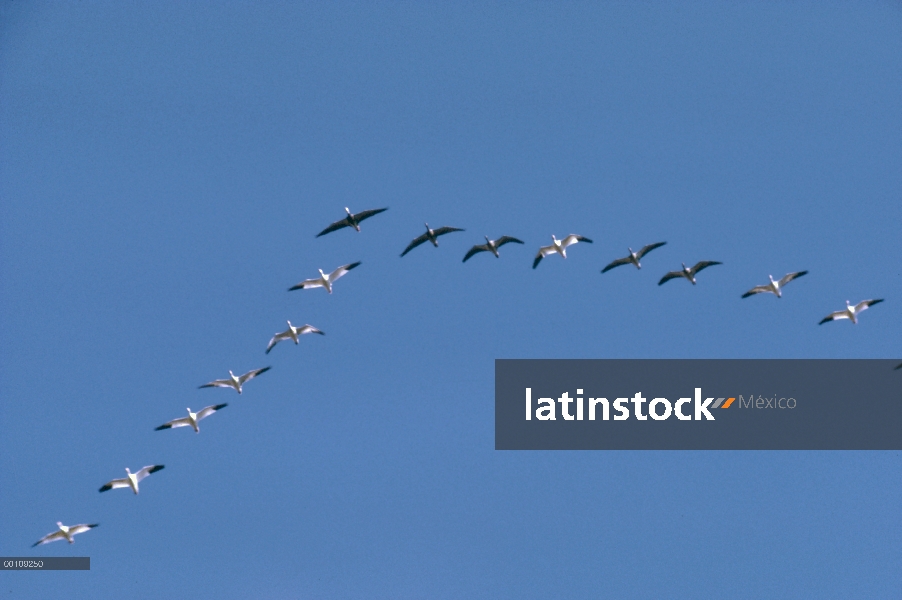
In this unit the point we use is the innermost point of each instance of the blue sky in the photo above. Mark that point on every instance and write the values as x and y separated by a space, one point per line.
164 169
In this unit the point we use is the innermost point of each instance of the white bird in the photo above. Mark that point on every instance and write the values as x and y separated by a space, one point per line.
324 281
431 235
132 479
559 246
851 312
633 258
292 333
351 220
774 287
234 381
192 418
689 273
64 533
491 246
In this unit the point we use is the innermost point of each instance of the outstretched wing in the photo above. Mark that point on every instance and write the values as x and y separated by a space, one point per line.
790 276
206 412
505 239
50 537
366 214
703 264
444 230
476 250
251 374
309 329
646 249
81 528
616 263
572 239
278 338
115 484
864 304
543 252
147 471
306 284
758 289
340 271
834 316
416 242
335 226
183 422
669 276
217 383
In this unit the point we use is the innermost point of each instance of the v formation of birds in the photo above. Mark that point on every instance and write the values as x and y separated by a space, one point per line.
353 220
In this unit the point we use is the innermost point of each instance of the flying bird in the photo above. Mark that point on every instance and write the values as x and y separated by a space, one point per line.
633 258
324 281
559 246
689 273
431 235
774 287
850 312
132 479
351 220
192 418
235 382
491 246
292 333
64 533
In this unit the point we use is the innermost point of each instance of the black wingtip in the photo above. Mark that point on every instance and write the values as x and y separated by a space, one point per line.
824 320
747 294
352 265
162 427
897 367
157 468
878 301
220 406
105 488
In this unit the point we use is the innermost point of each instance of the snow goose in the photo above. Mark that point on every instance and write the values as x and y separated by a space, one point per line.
633 258
850 312
324 281
351 220
192 418
774 287
292 333
559 246
64 533
491 246
689 273
131 480
430 235
234 381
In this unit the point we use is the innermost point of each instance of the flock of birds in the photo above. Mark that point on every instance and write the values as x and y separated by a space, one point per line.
353 220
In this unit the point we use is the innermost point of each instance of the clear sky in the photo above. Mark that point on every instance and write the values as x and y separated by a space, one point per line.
165 167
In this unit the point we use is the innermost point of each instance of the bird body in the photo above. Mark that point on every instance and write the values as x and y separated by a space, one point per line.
774 287
192 418
431 235
351 220
324 280
64 533
559 247
633 258
491 246
850 312
292 333
132 479
689 273
234 381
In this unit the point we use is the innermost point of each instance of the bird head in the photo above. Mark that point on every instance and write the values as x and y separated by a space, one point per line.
60 525
346 210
